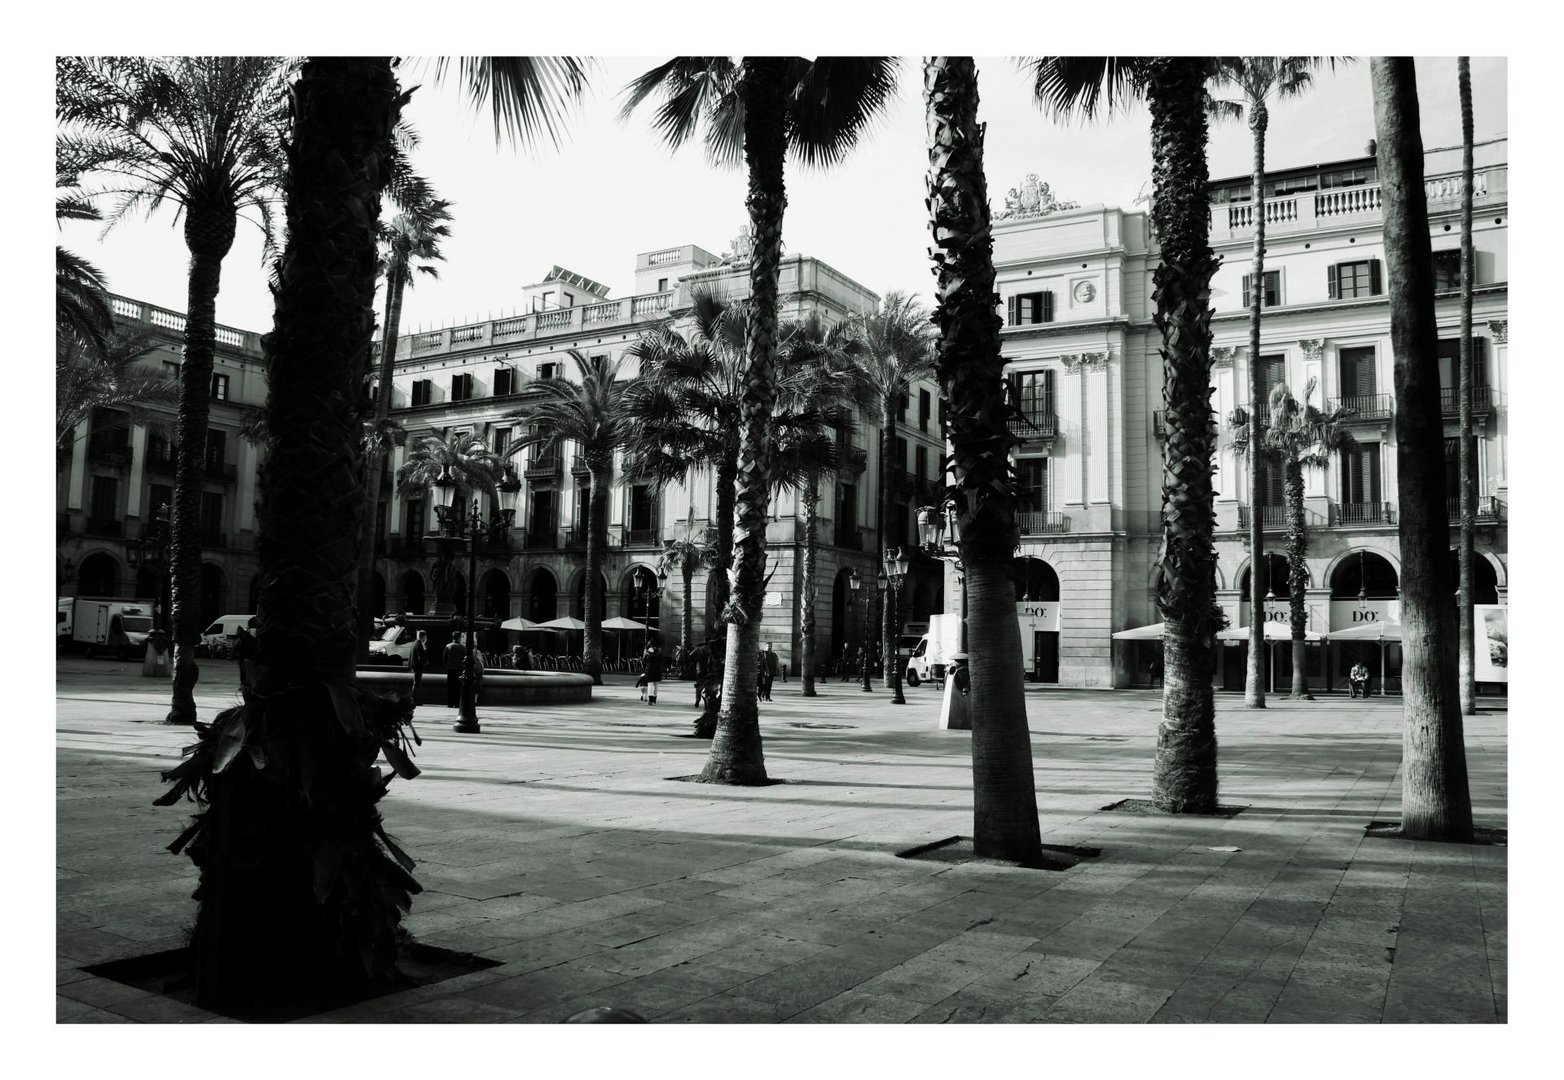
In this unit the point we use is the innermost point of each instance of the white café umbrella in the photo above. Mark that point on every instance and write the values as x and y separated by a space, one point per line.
619 622
1389 630
1141 633
564 622
1273 632
518 623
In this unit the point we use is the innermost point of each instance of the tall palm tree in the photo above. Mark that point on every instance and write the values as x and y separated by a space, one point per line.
590 413
760 107
686 554
1297 436
1184 777
201 133
86 380
986 490
685 412
894 350
1436 801
1258 79
1468 445
300 889
409 242
466 461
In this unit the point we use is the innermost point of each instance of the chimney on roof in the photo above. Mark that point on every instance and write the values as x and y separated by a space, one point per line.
1372 149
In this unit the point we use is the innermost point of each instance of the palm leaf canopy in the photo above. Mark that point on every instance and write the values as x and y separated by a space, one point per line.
196 131
589 411
830 102
1297 430
81 303
891 349
87 379
527 96
463 457
411 239
1090 86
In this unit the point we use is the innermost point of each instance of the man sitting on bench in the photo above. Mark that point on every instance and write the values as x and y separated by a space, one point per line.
1359 678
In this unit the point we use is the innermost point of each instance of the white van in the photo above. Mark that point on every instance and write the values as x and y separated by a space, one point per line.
220 638
394 646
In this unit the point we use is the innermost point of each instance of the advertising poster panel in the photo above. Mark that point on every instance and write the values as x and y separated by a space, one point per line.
1491 631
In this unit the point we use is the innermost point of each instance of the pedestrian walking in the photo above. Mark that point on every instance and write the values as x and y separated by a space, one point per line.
652 671
769 665
418 661
453 656
244 653
848 653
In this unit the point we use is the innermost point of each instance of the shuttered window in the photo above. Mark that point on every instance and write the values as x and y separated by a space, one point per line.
504 381
1357 372
1026 308
461 387
1272 479
922 469
1273 289
925 409
1347 280
1034 479
422 391
1273 370
583 506
1360 474
1447 270
1033 392
1450 362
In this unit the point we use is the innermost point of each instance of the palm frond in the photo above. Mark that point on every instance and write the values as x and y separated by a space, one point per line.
1090 86
528 96
833 101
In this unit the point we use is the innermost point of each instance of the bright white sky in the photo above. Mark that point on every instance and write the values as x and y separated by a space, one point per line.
613 190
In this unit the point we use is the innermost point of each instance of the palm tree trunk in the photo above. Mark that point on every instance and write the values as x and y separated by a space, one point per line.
1435 799
297 895
1468 446
889 616
1184 777
1297 578
375 474
597 546
1254 682
736 756
209 233
717 576
687 622
806 619
971 374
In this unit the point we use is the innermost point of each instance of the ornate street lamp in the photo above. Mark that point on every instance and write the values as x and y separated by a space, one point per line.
852 603
648 590
150 552
896 567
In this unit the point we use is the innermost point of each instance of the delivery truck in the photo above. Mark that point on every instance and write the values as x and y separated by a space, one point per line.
118 627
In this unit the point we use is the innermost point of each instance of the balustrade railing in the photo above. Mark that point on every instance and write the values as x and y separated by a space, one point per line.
1038 522
1366 406
1362 513
1488 510
1271 517
1313 209
1034 425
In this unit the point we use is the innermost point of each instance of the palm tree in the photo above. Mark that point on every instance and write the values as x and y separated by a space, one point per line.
1298 435
81 303
761 107
1259 78
408 243
894 350
685 412
202 133
465 460
1184 778
300 889
1436 801
986 491
686 554
1468 447
591 414
86 380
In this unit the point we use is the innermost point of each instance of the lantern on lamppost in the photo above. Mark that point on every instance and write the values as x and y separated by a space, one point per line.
896 566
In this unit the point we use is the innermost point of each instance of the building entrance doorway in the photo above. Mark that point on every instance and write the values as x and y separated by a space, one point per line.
1045 656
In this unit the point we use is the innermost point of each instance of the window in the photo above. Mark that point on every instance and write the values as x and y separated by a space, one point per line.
1347 280
415 519
1033 392
922 462
847 516
216 449
1273 289
502 437
1037 307
570 299
1034 480
158 449
901 452
548 371
159 496
1453 470
211 518
504 381
1450 363
1363 174
1447 269
662 284
641 508
171 369
1272 477
219 387
583 505
1273 370
423 390
1357 373
105 498
903 523
925 408
1360 474
542 513
461 387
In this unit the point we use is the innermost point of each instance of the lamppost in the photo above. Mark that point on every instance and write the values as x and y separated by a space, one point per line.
648 590
868 626
453 525
933 526
847 629
149 552
896 566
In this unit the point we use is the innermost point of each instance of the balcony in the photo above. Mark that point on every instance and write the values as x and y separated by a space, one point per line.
114 453
105 527
406 547
575 538
161 459
1450 401
1366 408
848 537
226 471
1035 426
1039 523
1351 515
542 468
1271 517
855 459
1490 511
1304 211
640 538
542 539
579 468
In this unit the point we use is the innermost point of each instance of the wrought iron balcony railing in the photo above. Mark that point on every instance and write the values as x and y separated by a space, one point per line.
541 468
542 539
1035 425
1271 517
1450 401
1489 510
1348 514
1366 408
1038 522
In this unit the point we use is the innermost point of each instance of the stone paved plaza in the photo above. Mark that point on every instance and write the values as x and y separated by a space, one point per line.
555 843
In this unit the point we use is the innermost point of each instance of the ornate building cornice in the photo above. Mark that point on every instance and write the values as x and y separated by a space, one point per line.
1313 348
1073 362
1223 355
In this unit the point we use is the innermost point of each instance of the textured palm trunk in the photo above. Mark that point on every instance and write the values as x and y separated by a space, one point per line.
1435 799
375 473
597 545
736 755
806 618
1254 681
888 612
1297 578
209 233
687 620
295 895
1184 776
717 577
971 374
1468 668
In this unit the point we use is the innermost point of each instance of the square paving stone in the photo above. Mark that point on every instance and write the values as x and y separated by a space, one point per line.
860 1007
1103 1001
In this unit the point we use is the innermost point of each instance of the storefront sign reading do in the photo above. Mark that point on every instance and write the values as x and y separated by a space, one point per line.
1039 614
1345 614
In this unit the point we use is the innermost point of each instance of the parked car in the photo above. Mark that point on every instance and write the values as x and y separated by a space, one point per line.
220 638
